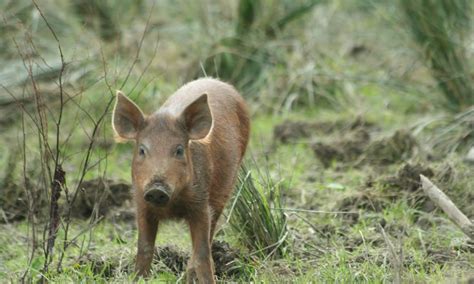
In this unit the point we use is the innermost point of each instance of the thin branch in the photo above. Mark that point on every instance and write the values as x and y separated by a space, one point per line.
315 211
445 203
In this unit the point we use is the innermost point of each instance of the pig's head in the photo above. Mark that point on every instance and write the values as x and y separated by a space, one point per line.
162 165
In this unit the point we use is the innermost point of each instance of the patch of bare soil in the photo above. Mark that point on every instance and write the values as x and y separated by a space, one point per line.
225 259
99 196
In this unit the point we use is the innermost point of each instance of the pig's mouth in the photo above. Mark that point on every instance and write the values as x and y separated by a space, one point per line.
157 193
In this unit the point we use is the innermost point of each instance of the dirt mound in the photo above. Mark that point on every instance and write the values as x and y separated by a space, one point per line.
101 196
355 146
408 177
172 258
105 265
14 202
406 183
290 131
223 255
225 259
398 147
347 149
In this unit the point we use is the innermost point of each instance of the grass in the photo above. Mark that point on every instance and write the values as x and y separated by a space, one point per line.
252 215
440 29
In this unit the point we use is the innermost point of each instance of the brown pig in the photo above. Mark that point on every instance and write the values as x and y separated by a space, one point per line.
186 158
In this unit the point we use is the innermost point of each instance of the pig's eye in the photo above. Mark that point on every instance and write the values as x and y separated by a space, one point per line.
141 151
179 152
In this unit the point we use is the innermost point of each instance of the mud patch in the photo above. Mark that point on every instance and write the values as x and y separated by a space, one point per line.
99 196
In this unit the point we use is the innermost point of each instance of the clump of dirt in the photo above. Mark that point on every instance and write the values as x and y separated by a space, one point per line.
408 177
172 257
14 202
225 259
105 265
406 183
101 196
290 131
347 149
398 147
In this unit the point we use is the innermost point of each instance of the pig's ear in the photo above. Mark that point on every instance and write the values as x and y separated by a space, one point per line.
127 118
197 118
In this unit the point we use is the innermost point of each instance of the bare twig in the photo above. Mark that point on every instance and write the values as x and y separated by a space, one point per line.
315 211
396 258
445 203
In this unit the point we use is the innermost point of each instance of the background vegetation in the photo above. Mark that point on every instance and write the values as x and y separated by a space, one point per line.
350 101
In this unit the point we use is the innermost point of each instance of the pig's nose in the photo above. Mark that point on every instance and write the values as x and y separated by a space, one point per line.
157 196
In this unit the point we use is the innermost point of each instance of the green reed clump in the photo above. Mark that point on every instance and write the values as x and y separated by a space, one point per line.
255 216
441 29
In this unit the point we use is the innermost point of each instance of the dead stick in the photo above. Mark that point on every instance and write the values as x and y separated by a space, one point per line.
443 201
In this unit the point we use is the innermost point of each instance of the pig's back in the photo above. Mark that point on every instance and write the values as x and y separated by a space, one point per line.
230 129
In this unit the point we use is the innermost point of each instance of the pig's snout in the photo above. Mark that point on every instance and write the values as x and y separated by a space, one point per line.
157 194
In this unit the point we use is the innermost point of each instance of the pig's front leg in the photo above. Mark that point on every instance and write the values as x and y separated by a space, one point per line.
147 228
200 266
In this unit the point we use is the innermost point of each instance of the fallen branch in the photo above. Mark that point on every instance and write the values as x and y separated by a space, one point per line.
443 201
